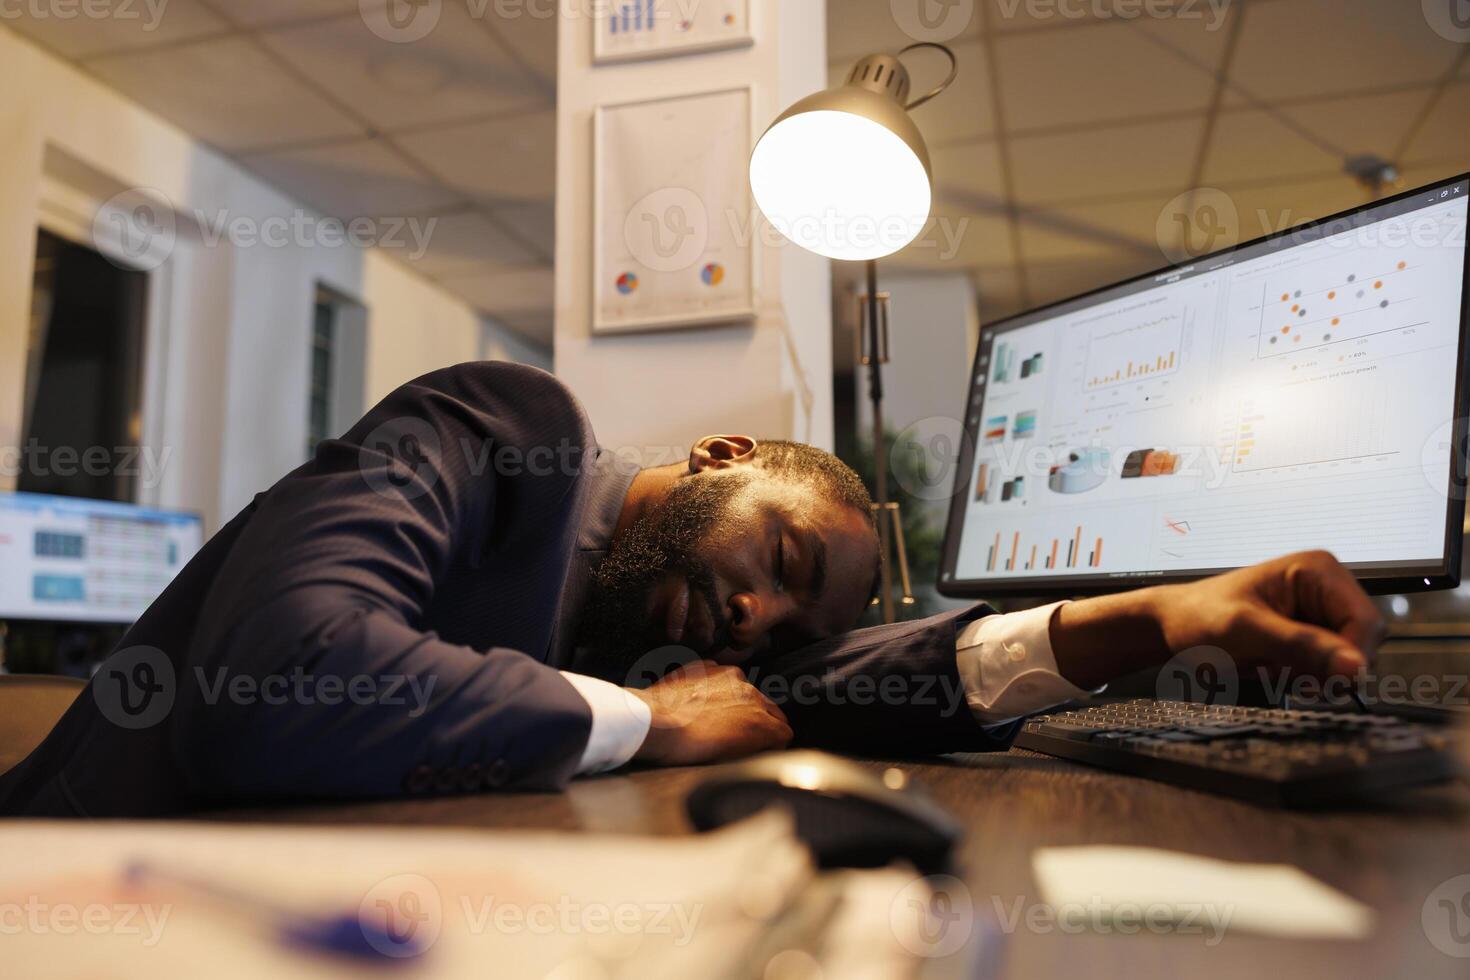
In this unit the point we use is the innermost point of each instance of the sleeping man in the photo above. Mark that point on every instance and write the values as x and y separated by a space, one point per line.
465 593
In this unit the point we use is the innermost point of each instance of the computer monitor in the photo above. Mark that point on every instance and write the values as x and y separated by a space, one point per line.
71 559
1302 390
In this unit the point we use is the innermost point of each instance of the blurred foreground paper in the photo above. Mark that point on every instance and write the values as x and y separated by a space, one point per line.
484 904
1150 886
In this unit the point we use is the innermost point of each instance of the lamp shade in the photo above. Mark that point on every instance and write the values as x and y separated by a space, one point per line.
845 172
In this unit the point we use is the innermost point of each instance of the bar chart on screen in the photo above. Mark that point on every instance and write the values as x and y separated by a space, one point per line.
1331 419
1015 551
1120 351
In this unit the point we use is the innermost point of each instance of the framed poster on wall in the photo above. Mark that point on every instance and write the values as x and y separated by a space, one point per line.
673 220
630 30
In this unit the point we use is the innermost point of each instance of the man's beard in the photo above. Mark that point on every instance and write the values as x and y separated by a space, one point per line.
615 630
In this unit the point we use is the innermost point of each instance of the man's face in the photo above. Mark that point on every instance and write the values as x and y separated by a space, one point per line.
730 565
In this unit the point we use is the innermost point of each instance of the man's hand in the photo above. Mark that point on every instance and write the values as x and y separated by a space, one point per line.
706 712
1304 611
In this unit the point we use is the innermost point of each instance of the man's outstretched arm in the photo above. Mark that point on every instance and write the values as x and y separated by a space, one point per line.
951 682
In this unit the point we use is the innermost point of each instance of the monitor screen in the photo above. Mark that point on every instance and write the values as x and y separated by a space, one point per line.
78 560
1299 391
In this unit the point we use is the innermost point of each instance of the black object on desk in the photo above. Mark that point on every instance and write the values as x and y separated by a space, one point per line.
847 815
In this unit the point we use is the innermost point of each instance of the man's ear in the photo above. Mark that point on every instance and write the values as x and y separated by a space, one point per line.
721 452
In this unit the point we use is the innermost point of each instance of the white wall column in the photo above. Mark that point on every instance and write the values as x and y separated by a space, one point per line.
660 391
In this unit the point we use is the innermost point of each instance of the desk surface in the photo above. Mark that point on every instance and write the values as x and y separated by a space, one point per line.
1391 858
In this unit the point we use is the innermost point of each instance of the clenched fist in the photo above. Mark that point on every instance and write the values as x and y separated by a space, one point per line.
706 712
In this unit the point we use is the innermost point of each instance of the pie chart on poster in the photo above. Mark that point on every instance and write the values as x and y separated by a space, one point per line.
712 274
627 282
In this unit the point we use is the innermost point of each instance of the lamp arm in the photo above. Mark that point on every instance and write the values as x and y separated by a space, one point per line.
954 69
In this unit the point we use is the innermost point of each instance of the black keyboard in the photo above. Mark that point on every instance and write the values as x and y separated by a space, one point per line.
1274 756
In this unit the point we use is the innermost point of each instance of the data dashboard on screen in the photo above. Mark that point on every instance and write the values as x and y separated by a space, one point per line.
70 559
1297 392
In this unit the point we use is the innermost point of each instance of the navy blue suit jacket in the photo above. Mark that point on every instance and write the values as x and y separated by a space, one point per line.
389 618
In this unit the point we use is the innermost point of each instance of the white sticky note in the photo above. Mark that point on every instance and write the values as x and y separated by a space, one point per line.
1272 899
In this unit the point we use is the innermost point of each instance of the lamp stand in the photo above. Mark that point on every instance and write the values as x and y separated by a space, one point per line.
873 324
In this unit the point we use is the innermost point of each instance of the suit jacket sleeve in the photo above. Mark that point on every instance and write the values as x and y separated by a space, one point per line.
309 674
885 690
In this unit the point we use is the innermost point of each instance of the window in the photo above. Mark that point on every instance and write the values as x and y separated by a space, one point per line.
83 387
338 367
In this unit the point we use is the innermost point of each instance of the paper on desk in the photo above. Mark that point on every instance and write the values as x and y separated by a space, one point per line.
1274 899
486 903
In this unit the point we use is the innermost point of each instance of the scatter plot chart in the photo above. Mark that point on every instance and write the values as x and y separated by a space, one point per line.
1336 300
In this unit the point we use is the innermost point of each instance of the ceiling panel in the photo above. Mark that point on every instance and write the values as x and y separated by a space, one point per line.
1253 144
510 294
1108 71
964 110
956 238
859 27
1119 160
131 26
1296 48
1087 230
511 158
1365 124
968 169
1269 208
360 177
535 223
227 92
998 290
458 71
1445 134
463 245
1004 16
262 13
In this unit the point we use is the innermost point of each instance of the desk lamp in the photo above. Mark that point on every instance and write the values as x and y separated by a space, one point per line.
845 173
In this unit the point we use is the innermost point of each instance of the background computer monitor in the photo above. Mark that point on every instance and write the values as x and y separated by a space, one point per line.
1303 390
70 559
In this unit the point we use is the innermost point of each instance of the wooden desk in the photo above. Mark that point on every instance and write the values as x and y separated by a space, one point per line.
1391 858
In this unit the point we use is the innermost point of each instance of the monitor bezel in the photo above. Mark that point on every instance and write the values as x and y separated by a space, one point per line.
1372 576
83 623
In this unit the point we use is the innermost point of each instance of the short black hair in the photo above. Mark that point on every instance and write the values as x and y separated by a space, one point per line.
801 463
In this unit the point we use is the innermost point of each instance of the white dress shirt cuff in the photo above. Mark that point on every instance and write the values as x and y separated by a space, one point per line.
620 722
1008 668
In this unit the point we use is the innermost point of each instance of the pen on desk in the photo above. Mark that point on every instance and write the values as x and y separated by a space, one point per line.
345 934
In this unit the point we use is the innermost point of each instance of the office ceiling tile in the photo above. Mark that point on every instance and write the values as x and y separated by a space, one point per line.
1295 48
998 292
1106 71
462 245
1118 160
1080 231
127 27
967 174
1057 15
536 327
962 111
534 223
1047 282
264 13
508 293
1445 135
1252 144
1264 209
459 70
227 92
855 29
361 177
1364 124
529 31
957 238
506 159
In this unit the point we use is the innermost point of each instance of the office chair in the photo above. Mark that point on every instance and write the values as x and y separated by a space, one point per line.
30 705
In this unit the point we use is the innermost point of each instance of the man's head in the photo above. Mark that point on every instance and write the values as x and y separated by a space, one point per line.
750 547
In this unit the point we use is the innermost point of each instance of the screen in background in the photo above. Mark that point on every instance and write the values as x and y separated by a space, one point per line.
1295 393
78 560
